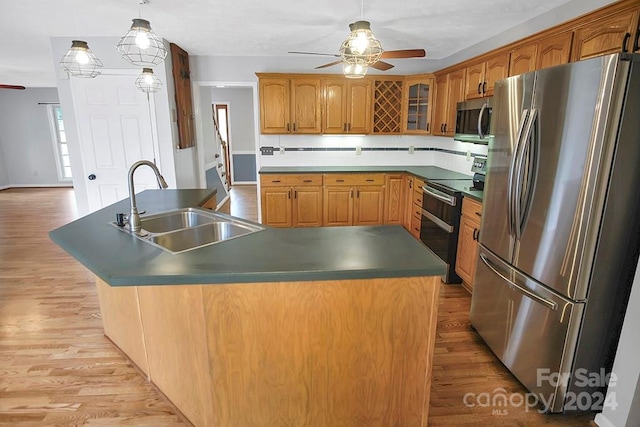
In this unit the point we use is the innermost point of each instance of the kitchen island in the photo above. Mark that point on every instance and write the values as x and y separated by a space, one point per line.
319 326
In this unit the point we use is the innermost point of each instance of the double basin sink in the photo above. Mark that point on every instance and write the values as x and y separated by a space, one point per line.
185 229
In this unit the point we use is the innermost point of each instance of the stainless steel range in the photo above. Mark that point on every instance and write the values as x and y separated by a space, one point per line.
441 210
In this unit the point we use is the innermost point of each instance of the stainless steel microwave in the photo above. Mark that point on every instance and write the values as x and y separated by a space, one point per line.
473 121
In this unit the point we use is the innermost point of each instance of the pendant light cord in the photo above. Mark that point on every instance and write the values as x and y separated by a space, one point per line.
362 10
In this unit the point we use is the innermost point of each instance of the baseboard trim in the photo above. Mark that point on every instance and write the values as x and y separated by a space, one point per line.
59 185
226 198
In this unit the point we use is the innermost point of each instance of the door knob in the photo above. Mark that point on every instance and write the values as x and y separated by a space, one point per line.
91 177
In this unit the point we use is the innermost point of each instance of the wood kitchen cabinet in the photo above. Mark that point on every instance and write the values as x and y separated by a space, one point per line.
290 105
413 205
482 76
607 34
347 106
387 106
468 241
407 184
394 199
418 95
291 200
449 91
555 50
523 59
353 199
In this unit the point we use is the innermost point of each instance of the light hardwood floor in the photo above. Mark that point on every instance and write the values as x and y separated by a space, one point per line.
57 368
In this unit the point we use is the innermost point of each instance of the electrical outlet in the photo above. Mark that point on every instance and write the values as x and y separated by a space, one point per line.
281 150
266 151
411 149
468 155
358 151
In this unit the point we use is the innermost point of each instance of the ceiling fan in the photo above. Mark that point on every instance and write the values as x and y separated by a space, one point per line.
362 47
11 87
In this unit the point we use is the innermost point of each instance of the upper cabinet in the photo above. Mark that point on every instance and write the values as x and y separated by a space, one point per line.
387 106
523 59
449 91
347 106
418 95
481 77
608 34
554 50
290 105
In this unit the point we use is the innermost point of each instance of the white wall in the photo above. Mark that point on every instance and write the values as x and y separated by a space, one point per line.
27 153
626 367
240 100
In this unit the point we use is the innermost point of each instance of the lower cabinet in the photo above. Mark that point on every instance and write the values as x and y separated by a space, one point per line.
468 241
394 199
353 199
291 200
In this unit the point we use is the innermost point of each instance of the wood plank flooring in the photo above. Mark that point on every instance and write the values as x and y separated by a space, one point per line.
57 368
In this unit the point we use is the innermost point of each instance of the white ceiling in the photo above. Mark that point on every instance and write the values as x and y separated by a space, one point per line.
264 27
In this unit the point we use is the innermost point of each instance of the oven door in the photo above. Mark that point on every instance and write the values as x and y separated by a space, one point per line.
439 227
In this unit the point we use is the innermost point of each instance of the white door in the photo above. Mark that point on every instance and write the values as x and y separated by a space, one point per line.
114 127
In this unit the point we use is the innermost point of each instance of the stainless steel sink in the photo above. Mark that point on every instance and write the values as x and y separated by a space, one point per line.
190 228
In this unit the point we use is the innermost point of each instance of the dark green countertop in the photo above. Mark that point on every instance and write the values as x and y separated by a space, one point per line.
295 254
426 172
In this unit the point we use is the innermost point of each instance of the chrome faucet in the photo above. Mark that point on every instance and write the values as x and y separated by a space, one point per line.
134 215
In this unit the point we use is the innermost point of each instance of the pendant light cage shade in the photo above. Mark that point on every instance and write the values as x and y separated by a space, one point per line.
361 46
141 46
354 71
80 61
147 82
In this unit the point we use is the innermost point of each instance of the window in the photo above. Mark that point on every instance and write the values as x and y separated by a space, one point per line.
61 148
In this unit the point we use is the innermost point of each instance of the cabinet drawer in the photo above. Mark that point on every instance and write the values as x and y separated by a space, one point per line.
417 197
416 211
278 180
415 227
418 184
354 179
472 209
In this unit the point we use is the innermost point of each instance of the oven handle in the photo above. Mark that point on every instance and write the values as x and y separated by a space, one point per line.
440 223
443 197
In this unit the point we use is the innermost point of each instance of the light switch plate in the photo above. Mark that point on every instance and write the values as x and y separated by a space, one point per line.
358 151
411 149
281 150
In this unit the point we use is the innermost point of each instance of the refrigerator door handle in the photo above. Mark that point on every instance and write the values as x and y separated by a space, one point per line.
511 194
525 154
550 304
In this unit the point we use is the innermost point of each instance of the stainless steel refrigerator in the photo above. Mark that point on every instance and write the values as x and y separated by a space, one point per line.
559 240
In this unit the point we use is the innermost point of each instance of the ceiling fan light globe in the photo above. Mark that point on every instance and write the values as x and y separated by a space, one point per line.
354 71
361 46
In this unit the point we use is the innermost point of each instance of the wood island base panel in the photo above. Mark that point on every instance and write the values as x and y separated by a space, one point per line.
320 353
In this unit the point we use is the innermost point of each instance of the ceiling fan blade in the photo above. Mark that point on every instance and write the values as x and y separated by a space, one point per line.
316 53
330 64
382 66
406 53
11 87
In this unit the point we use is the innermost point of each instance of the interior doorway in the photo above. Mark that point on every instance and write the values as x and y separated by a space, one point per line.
221 124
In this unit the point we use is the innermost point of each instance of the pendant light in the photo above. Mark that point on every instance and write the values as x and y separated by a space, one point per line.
147 82
80 61
361 46
141 46
354 71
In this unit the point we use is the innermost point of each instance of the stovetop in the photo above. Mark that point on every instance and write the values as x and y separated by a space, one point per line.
451 186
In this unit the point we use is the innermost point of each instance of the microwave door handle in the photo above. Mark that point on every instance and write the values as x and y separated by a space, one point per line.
512 171
480 133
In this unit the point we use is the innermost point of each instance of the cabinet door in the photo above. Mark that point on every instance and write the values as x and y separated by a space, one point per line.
368 206
338 205
306 104
274 106
307 206
455 95
276 206
359 107
335 106
467 249
407 183
387 107
554 51
394 199
441 108
417 106
474 81
604 36
523 60
497 68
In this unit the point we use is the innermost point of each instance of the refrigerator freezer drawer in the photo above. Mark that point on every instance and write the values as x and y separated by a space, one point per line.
531 329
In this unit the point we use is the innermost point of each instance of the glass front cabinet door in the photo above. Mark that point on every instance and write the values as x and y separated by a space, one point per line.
417 102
